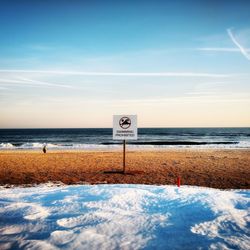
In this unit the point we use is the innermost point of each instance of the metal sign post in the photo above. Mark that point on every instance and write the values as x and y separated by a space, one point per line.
124 155
124 128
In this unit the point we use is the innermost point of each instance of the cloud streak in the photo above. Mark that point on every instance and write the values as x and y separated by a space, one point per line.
30 82
221 49
243 50
3 88
120 74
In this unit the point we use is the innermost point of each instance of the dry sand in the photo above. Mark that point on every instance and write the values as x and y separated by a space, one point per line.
210 168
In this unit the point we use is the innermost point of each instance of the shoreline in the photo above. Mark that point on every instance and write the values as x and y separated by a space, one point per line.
215 168
120 148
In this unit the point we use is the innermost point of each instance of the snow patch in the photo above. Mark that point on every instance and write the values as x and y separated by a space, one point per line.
30 211
62 237
11 229
123 217
37 245
5 246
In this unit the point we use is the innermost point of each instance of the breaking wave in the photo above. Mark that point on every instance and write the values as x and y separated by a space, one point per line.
130 145
168 143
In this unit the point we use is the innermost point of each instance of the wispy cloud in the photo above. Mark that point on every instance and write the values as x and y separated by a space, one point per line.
30 81
25 81
221 49
189 98
125 74
243 50
3 88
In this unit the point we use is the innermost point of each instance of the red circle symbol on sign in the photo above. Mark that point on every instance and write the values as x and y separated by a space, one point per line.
125 122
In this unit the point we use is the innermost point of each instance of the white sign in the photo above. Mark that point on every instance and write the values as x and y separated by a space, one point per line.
125 127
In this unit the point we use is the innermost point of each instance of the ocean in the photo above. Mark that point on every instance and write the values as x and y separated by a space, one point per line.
101 138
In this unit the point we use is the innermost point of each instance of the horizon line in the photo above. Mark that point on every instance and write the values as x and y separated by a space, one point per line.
137 127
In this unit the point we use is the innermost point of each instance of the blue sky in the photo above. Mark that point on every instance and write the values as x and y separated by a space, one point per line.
76 63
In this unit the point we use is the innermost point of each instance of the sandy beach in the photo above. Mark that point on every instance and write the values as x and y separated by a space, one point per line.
223 169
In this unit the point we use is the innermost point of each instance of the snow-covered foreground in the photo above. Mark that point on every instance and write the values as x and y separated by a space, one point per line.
123 217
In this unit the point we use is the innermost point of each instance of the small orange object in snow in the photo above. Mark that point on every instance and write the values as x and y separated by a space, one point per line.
178 181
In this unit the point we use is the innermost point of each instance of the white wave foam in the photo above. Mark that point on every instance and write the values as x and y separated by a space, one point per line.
6 146
36 145
79 146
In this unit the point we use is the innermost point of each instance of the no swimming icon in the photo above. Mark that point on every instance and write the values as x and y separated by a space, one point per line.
125 127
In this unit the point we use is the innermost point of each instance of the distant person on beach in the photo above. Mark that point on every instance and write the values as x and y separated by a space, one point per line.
44 149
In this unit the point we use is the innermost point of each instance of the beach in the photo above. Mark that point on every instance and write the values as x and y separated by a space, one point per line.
224 169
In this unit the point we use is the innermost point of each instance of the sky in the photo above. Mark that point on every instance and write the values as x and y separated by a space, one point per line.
77 63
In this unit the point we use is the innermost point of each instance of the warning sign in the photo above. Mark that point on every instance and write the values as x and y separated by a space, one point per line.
125 127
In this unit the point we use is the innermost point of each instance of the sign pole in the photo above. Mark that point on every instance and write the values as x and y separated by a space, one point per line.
124 155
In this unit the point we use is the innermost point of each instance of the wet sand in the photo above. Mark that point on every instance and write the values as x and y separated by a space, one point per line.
223 169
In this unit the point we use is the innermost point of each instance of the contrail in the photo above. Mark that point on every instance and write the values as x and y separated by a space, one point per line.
241 48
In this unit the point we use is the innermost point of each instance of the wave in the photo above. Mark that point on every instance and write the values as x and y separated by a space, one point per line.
27 145
37 145
6 145
168 143
132 145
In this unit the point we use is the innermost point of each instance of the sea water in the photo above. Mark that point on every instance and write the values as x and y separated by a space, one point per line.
101 138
